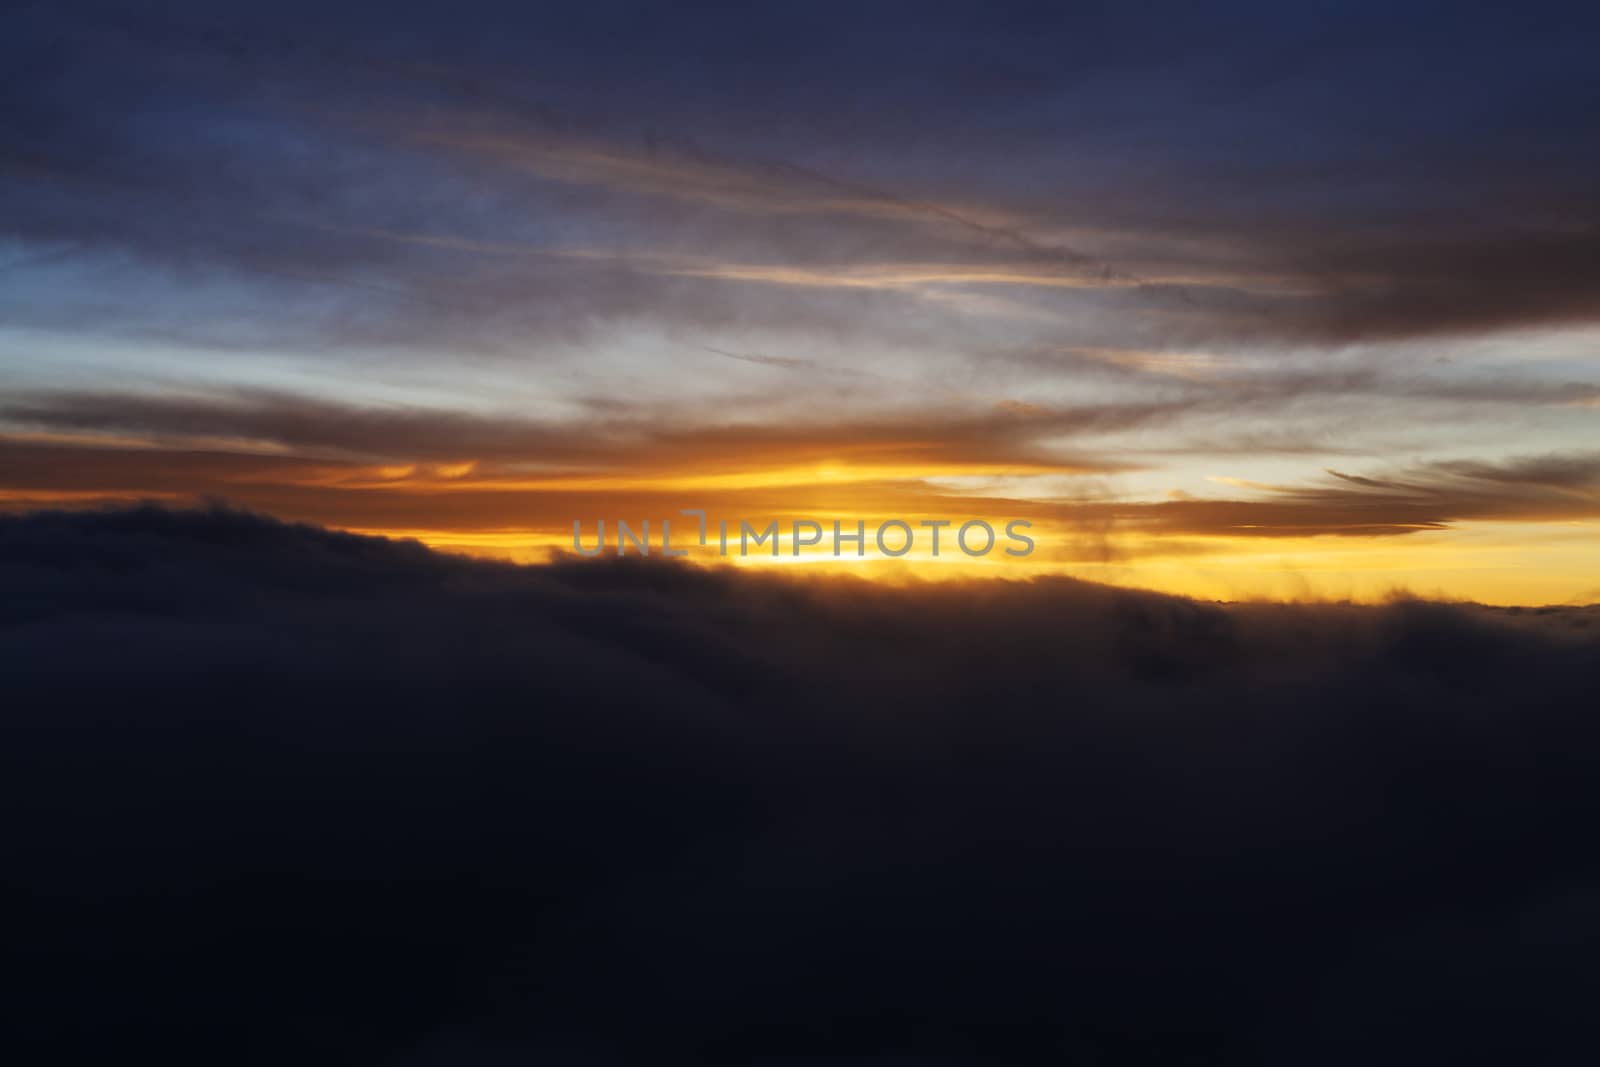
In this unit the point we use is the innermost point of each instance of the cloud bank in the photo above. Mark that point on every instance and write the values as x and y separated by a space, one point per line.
283 793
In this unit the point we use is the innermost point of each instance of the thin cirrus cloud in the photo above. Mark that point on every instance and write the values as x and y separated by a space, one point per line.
1338 284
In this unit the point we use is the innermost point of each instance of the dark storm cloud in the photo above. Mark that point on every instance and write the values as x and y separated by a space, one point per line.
275 789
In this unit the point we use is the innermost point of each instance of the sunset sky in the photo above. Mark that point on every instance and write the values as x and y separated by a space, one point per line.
1232 305
1277 325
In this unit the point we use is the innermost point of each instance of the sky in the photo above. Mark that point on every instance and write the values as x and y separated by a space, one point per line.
1279 324
1266 300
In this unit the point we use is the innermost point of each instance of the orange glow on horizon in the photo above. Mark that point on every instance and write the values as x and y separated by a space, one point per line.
1487 563
1266 542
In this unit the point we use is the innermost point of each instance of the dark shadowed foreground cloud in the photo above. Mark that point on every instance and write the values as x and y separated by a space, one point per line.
282 795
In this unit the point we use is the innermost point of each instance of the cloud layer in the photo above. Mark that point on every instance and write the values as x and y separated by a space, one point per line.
465 184
282 789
